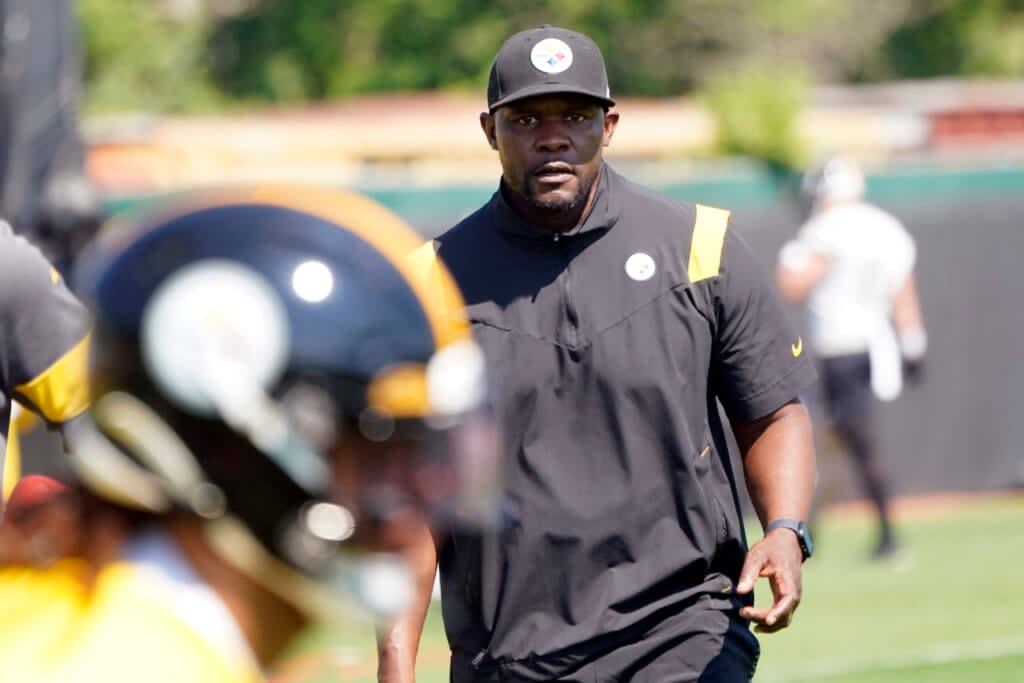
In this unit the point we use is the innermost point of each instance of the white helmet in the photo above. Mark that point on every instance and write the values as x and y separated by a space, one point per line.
838 179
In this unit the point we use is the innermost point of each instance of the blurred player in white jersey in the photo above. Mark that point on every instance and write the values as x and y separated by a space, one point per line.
853 265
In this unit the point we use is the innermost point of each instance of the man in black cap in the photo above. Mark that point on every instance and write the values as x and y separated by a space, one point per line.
615 320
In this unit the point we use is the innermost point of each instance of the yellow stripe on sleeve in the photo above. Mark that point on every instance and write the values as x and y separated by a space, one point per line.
10 473
708 239
61 391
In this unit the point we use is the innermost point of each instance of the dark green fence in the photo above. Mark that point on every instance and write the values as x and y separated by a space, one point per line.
963 428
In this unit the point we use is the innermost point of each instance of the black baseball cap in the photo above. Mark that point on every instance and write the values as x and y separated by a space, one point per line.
547 60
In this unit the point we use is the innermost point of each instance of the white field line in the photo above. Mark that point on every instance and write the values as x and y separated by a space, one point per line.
936 654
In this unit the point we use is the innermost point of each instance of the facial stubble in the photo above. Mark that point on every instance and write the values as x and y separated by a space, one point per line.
557 204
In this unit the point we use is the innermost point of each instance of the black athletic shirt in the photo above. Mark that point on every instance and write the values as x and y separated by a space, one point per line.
609 345
43 338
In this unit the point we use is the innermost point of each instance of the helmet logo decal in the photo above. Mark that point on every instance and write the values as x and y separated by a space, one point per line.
640 267
215 338
551 55
212 327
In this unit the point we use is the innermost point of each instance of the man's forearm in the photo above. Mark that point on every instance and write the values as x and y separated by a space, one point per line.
398 643
908 321
778 457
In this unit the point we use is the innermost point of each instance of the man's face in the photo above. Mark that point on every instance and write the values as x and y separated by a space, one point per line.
551 148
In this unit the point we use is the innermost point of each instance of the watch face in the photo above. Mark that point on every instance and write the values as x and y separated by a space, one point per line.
806 541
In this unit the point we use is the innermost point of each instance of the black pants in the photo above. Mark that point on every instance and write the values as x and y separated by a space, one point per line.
851 407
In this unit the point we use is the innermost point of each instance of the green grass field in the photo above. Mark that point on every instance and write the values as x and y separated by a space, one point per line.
951 610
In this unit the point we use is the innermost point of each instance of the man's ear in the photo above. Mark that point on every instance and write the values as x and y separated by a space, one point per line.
611 120
487 125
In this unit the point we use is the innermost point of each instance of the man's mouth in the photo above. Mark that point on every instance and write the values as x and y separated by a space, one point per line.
554 173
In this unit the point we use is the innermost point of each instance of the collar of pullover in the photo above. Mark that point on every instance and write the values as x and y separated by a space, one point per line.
602 216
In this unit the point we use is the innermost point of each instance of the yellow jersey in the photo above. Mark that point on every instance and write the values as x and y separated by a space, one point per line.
53 629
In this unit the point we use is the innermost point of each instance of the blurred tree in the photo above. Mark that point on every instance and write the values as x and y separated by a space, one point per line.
139 57
958 37
323 48
756 111
197 54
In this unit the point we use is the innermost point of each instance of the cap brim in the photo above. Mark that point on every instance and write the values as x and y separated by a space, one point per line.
549 89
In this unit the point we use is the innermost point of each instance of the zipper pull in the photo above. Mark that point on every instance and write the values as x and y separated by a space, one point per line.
557 236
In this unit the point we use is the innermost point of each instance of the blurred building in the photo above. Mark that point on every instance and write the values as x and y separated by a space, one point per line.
371 139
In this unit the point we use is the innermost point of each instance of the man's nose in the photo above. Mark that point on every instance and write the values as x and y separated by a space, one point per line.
552 138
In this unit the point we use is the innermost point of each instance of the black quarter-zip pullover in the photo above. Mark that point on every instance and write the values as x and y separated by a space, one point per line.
609 345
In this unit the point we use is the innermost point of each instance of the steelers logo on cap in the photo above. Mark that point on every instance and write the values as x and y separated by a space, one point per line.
551 55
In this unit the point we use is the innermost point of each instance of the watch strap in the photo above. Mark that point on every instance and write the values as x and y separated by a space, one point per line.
797 527
783 523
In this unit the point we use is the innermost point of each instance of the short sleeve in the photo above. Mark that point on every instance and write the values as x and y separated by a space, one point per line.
758 362
43 333
816 235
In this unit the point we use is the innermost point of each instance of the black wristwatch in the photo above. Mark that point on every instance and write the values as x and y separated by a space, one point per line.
803 534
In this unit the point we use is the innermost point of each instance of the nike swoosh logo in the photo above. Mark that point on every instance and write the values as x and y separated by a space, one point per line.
797 348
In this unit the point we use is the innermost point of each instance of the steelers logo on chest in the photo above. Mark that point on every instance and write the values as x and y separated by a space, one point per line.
640 267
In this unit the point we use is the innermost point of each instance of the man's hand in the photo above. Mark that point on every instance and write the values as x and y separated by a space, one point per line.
778 557
41 524
913 370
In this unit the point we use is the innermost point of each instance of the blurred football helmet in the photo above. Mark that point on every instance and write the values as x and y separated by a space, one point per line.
268 360
837 179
